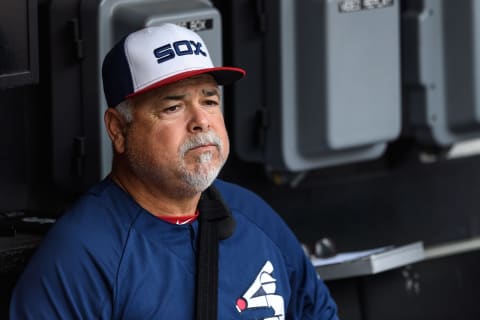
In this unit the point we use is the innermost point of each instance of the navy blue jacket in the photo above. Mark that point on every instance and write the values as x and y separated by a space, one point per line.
108 258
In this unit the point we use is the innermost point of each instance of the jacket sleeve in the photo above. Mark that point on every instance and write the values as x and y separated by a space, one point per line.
62 280
311 298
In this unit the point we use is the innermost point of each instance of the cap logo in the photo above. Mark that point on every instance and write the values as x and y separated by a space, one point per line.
157 56
178 48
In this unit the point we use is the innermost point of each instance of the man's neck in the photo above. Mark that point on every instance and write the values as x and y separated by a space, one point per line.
156 199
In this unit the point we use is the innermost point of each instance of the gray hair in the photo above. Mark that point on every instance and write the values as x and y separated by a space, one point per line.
125 109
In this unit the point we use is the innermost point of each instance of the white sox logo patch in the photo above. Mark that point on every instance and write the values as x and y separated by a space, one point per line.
261 294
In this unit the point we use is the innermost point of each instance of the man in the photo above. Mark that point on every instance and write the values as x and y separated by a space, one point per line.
129 248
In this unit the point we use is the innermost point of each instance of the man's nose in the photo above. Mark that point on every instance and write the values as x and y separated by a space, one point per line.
199 121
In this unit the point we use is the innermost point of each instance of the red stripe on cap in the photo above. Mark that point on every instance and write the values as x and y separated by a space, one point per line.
223 76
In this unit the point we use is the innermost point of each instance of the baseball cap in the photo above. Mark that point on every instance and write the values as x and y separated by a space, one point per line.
156 56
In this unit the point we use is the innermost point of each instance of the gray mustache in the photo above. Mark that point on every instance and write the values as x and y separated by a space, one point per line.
199 140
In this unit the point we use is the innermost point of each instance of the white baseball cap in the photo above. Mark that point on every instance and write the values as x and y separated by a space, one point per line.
156 56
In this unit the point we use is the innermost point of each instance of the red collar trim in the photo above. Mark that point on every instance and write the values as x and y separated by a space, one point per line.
180 220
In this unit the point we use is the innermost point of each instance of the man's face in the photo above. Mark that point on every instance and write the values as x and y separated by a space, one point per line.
178 138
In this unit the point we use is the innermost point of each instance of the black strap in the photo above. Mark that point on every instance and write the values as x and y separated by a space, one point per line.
215 223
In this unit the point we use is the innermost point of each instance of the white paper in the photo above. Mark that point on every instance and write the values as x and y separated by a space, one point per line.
347 256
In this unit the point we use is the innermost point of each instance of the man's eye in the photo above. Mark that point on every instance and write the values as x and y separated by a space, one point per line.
211 102
171 109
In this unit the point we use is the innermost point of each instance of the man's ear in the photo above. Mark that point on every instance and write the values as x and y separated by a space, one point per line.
116 128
